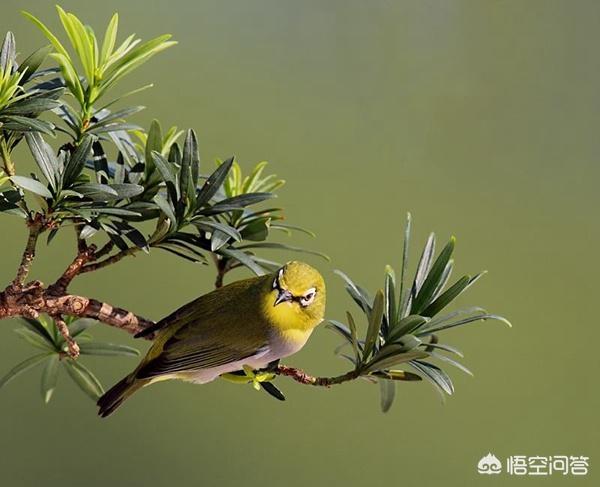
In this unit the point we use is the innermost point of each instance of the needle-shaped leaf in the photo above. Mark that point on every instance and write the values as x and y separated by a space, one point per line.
375 320
31 64
213 183
84 378
191 155
49 377
35 339
423 267
44 157
403 292
77 160
387 390
102 348
389 361
23 366
80 325
243 258
434 276
390 297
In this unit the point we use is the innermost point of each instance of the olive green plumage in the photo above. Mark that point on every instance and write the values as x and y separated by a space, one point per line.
249 322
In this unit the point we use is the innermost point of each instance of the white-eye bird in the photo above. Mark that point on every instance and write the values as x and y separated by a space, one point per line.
249 323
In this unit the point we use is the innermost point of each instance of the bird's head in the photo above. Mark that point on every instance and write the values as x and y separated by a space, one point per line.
298 295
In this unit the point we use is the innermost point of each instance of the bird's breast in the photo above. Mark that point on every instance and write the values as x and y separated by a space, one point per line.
287 342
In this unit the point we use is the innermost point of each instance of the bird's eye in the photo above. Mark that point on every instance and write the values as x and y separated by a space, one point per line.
308 297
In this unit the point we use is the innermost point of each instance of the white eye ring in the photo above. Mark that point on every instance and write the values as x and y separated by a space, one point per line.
277 280
309 297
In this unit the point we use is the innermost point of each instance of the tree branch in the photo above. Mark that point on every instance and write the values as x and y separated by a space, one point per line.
84 255
108 261
35 299
303 378
36 226
72 345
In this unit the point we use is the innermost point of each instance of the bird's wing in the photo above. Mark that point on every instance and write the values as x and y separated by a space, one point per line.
202 347
218 328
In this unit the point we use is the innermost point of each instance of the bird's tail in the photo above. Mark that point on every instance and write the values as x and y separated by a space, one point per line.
115 396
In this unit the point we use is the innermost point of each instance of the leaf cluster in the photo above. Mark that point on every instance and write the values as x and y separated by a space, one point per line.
43 334
404 319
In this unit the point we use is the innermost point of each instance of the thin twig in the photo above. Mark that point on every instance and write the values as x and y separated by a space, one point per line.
84 255
105 249
72 346
303 378
109 260
35 228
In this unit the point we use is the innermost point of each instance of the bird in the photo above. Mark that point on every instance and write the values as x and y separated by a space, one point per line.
247 324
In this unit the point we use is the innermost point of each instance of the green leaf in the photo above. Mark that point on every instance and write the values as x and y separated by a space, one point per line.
388 361
428 330
456 364
49 377
240 201
101 348
435 375
97 192
77 160
31 64
403 292
80 325
423 267
441 346
407 325
7 52
19 123
375 319
84 378
191 155
127 190
44 157
213 183
353 337
33 338
23 367
390 297
433 278
387 389
166 207
243 258
211 226
110 38
356 292
38 327
448 296
33 106
153 143
31 185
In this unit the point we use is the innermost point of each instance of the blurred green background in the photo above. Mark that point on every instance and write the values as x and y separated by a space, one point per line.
481 118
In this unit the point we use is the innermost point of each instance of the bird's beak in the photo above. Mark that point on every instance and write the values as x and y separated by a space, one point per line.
283 296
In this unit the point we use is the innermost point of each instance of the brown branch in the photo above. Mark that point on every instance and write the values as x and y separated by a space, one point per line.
303 378
36 226
105 249
35 299
109 260
84 255
73 347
